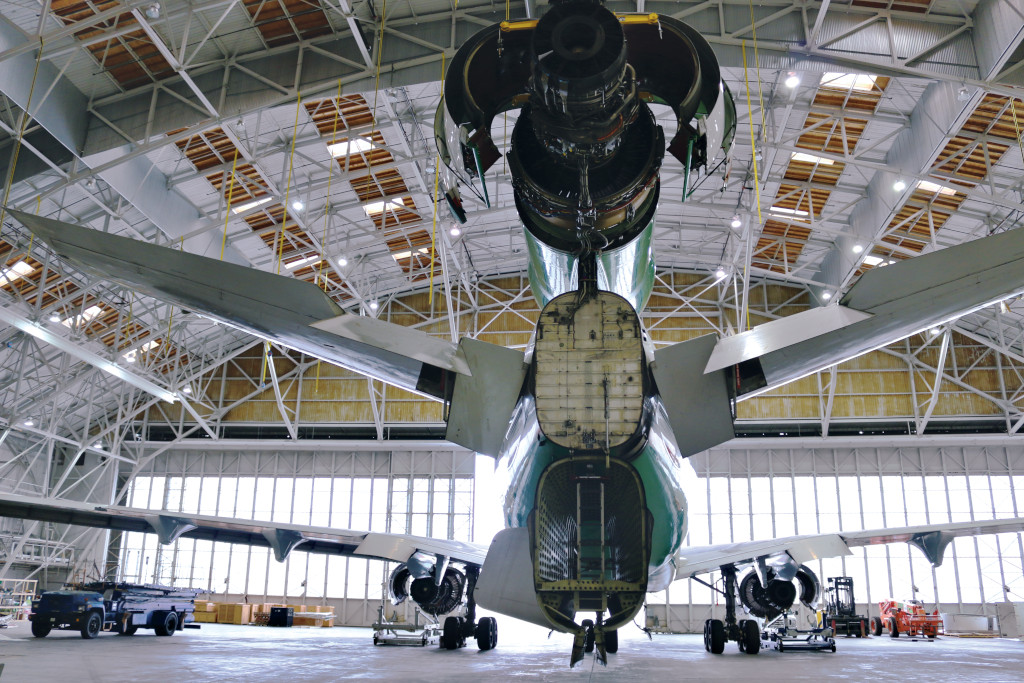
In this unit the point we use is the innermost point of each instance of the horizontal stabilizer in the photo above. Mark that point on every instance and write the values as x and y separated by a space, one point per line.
886 305
291 312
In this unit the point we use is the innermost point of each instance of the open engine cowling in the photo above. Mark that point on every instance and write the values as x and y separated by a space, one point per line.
431 597
768 602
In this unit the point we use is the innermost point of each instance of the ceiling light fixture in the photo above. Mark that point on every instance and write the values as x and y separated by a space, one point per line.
342 261
826 295
455 232
899 185
373 305
857 249
153 11
792 80
934 331
720 273
54 318
29 422
736 221
298 206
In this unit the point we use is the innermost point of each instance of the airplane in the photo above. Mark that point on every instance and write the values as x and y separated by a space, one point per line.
590 427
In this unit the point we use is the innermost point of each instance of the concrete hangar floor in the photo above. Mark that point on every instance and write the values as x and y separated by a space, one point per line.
222 652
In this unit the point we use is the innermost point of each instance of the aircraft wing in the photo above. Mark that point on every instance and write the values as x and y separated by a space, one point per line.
301 316
281 538
931 539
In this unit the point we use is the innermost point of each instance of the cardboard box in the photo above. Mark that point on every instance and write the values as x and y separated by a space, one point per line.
234 613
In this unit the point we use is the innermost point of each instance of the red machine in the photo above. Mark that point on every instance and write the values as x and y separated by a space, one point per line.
908 617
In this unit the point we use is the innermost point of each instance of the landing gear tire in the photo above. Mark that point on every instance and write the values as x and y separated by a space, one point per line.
40 629
91 627
894 630
611 642
487 633
750 637
167 623
451 637
716 636
588 640
876 626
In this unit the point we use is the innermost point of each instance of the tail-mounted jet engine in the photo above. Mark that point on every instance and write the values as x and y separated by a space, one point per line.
768 602
432 596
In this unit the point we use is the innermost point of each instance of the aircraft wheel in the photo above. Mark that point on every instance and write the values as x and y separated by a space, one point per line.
750 637
91 627
876 626
588 639
487 633
717 637
707 635
894 630
452 633
611 642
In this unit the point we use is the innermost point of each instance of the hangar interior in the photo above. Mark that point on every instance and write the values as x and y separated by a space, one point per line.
296 137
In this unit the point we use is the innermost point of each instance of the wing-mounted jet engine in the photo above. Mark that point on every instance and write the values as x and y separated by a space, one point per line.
586 149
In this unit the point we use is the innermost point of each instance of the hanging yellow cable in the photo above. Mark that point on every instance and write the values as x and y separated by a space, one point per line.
288 185
753 152
227 209
433 233
330 177
757 70
263 372
21 134
1016 126
376 77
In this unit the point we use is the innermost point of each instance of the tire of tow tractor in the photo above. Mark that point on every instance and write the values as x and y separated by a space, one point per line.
894 630
611 642
717 637
40 630
451 634
91 627
167 624
876 626
750 637
487 633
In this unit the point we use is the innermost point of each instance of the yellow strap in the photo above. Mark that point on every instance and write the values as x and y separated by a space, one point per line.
330 177
227 211
288 185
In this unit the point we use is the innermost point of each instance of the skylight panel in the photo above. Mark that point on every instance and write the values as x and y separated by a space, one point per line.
377 208
406 254
933 188
87 315
811 159
251 205
15 272
351 146
314 259
873 260
788 212
856 82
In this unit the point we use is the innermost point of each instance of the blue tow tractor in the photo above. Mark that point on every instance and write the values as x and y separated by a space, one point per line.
118 607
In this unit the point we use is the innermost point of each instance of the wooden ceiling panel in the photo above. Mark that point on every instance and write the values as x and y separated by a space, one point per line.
281 22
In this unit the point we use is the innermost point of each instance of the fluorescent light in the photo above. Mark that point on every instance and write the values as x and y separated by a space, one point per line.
791 212
933 188
351 146
874 260
840 81
303 261
15 272
792 80
810 158
87 315
251 205
377 208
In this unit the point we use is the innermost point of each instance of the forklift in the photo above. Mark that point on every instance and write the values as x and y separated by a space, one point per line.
840 613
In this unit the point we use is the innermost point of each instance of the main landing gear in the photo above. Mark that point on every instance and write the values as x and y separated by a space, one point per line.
457 630
745 632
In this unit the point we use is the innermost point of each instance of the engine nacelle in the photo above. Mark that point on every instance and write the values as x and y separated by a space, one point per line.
768 602
432 597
